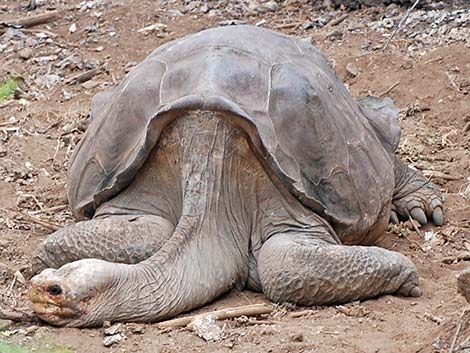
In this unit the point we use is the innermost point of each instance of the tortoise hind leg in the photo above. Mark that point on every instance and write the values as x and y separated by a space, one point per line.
124 239
415 196
305 269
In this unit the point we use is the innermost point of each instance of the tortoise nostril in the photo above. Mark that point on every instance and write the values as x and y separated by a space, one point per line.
54 289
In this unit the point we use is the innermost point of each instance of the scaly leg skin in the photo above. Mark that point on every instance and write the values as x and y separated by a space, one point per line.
415 196
123 239
304 269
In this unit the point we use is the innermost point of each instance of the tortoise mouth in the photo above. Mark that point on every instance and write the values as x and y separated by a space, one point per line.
54 309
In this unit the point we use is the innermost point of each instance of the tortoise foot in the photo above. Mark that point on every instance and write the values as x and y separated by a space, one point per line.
423 205
416 197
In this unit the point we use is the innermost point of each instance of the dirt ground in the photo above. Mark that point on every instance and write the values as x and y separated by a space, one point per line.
425 69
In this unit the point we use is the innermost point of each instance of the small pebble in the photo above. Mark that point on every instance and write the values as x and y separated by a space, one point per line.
25 53
108 341
5 324
31 330
352 70
296 337
90 84
112 330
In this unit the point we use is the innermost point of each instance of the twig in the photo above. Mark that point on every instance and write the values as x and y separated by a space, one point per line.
6 123
464 256
45 224
301 313
26 22
338 20
262 322
36 30
57 147
454 84
249 310
348 312
50 209
415 227
439 58
440 175
467 127
83 77
17 316
387 91
12 285
457 332
399 25
287 25
6 103
328 332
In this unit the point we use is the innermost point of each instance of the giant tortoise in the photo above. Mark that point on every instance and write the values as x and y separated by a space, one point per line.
231 158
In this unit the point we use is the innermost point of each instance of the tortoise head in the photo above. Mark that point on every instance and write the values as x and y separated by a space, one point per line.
74 295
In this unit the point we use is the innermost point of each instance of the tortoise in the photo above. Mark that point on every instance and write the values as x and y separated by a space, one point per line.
231 158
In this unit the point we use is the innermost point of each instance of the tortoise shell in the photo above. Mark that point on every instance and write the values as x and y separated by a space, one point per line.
334 153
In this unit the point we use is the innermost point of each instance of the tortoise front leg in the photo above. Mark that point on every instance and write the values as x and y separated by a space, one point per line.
123 239
305 269
415 196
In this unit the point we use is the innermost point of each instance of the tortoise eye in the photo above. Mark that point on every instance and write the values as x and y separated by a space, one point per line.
54 289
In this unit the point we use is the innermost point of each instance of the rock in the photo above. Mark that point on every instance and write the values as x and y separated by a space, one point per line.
66 95
112 330
269 6
207 328
152 28
204 8
388 23
48 81
321 21
18 275
260 23
336 33
296 337
174 13
113 334
307 25
129 66
31 330
108 341
25 53
430 236
231 23
352 70
5 324
463 283
136 328
73 28
90 84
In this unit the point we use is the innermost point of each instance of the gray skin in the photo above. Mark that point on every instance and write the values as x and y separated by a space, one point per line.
207 212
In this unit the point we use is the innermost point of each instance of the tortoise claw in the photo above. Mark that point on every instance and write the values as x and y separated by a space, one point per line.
410 287
418 214
438 216
394 217
415 292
